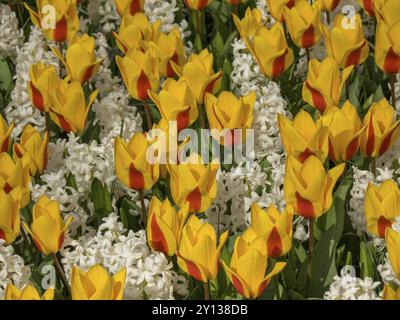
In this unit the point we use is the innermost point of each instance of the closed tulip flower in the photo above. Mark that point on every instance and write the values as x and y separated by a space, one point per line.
328 5
48 227
5 135
302 137
69 109
131 164
33 144
10 205
393 250
199 74
197 4
176 102
344 126
303 21
270 49
249 264
308 188
29 292
140 73
250 23
194 182
125 7
43 79
382 130
324 84
165 225
67 20
198 252
345 42
276 8
368 6
97 284
391 294
274 227
227 113
382 206
15 174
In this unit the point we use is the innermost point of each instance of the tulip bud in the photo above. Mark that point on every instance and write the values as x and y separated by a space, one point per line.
47 228
274 227
308 188
368 6
165 225
197 4
5 135
324 84
125 7
29 292
249 264
302 137
392 239
32 143
198 253
389 293
276 8
250 23
97 284
10 205
382 130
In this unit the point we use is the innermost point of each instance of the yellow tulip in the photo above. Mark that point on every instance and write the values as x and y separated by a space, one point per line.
165 225
270 49
10 205
176 102
368 6
32 143
199 74
66 16
80 58
393 249
249 264
308 188
47 228
382 130
198 253
346 43
274 227
193 182
43 80
303 22
97 284
328 5
227 113
197 4
382 206
302 137
344 126
250 23
15 174
5 135
276 8
324 84
139 70
125 7
134 30
29 292
235 2
131 164
390 294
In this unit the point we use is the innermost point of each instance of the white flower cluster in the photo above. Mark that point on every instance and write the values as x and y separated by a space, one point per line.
105 12
12 268
149 274
11 36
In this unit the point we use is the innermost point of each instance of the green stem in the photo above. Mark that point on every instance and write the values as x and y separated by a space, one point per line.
393 89
373 166
26 241
310 243
202 117
60 270
206 291
328 18
148 115
143 206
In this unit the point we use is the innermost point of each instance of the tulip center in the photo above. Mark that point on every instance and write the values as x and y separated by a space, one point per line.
61 31
383 223
194 199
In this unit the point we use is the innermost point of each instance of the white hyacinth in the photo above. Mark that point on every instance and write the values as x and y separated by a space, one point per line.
10 34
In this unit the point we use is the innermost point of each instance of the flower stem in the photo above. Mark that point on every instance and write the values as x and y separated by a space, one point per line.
206 291
202 117
308 55
373 166
328 18
148 115
392 89
142 204
26 241
61 272
310 243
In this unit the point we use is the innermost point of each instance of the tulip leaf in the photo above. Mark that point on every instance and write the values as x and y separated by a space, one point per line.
130 220
367 264
101 199
6 83
226 77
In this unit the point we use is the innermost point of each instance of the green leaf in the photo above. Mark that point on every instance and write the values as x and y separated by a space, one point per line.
367 264
6 79
101 199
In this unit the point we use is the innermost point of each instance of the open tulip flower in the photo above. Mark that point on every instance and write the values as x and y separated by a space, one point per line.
276 8
194 182
274 227
5 135
368 6
125 7
303 137
197 4
131 164
69 109
37 147
345 42
344 126
48 227
303 22
270 49
97 284
382 130
29 292
382 206
199 74
198 252
227 113
324 84
67 20
165 225
249 24
249 264
10 205
392 240
308 187
328 5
